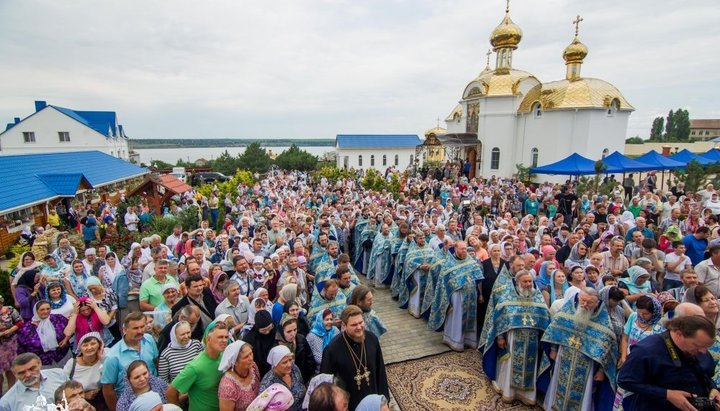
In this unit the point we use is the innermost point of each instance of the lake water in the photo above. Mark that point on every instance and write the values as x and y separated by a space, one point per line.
172 155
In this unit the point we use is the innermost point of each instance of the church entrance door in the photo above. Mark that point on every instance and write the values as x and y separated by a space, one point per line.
472 158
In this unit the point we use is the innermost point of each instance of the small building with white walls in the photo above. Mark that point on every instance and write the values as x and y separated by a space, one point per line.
378 151
54 129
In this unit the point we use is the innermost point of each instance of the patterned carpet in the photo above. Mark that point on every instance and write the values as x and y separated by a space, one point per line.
448 381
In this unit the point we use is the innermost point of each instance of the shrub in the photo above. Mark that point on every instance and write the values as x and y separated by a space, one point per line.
5 288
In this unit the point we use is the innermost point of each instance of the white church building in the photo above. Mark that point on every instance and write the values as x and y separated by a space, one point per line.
378 151
54 129
516 118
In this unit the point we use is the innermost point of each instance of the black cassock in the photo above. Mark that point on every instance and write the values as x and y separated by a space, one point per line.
338 361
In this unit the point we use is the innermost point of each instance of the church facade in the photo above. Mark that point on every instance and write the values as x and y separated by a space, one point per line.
518 119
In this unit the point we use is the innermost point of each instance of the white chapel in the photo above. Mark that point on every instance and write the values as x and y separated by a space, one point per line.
515 118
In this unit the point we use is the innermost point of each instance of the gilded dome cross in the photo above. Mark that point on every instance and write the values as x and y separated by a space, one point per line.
576 22
488 54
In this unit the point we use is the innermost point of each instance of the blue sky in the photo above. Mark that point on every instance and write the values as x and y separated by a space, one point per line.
315 69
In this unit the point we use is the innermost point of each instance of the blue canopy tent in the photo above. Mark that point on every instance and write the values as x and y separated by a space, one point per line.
572 165
659 161
712 154
685 156
617 160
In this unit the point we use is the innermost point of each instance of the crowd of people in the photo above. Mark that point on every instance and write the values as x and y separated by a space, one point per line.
272 306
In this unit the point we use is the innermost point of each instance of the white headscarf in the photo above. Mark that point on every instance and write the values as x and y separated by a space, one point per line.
277 354
112 272
230 355
174 341
45 330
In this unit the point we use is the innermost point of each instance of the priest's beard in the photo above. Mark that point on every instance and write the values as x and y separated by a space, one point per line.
524 292
582 315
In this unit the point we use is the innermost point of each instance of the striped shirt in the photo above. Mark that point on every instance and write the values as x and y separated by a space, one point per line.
173 360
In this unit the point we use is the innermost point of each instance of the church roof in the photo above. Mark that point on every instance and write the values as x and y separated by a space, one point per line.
496 83
377 140
456 112
567 94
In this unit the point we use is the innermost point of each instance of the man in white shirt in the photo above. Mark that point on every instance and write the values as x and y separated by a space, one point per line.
174 238
131 219
32 382
708 271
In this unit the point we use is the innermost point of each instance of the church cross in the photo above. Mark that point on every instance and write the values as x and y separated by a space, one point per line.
438 122
488 54
526 319
507 6
574 342
576 22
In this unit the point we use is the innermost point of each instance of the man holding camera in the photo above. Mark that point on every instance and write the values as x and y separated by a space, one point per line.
672 370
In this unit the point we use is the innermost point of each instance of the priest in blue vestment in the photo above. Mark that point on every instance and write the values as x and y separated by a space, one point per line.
380 257
415 271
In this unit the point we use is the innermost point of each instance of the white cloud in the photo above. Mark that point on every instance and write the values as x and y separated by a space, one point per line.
317 68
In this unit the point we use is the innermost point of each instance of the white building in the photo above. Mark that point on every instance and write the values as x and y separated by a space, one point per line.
376 151
53 129
518 119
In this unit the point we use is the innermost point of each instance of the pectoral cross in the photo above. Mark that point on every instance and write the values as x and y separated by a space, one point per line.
576 22
526 319
574 342
359 377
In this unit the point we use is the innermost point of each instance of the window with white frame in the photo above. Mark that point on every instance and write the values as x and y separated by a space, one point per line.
372 160
64 136
360 160
534 154
384 160
397 160
495 159
29 136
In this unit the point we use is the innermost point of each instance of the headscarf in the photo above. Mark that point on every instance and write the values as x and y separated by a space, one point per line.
628 219
575 256
112 272
673 233
88 336
604 243
174 341
84 325
230 355
617 313
275 398
319 330
543 278
276 355
218 294
635 272
372 402
565 286
570 295
146 401
63 294
45 330
656 313
289 292
20 269
280 334
314 382
252 311
209 328
504 255
27 280
78 285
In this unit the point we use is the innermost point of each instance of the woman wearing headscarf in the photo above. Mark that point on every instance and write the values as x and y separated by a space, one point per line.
88 317
373 402
138 381
10 323
637 284
288 336
27 262
543 279
293 308
284 372
618 309
570 294
578 256
86 367
240 383
76 280
60 302
217 284
262 339
162 314
320 336
274 398
43 335
28 292
110 270
106 299
557 287
179 353
602 243
287 293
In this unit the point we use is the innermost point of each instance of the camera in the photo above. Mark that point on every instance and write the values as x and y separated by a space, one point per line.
702 403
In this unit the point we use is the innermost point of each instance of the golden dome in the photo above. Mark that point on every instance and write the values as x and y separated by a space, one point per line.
506 34
575 52
583 93
496 83
436 131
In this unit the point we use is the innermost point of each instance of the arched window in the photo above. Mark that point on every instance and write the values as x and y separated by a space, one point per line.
605 153
397 160
537 110
534 154
384 160
495 159
614 105
372 160
360 160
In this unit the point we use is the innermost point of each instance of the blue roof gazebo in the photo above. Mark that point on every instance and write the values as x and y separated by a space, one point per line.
573 165
617 160
713 154
659 161
685 156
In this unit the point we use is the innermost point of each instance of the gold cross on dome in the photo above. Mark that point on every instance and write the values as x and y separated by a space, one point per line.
576 22
488 54
507 6
574 342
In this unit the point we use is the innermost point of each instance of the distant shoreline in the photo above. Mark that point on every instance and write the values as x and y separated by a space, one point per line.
148 143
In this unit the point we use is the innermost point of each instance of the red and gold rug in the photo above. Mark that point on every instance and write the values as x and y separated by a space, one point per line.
448 381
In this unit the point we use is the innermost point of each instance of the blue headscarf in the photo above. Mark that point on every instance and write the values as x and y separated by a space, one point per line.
319 330
371 402
565 286
63 295
634 273
543 279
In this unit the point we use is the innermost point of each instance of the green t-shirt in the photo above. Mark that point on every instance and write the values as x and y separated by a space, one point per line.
200 380
151 290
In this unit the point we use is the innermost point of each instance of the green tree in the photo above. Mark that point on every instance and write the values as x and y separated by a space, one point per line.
670 129
255 159
296 159
696 176
634 140
161 165
656 133
225 163
682 125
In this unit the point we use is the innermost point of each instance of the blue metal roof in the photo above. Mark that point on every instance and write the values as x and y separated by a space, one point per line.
104 122
377 140
33 178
